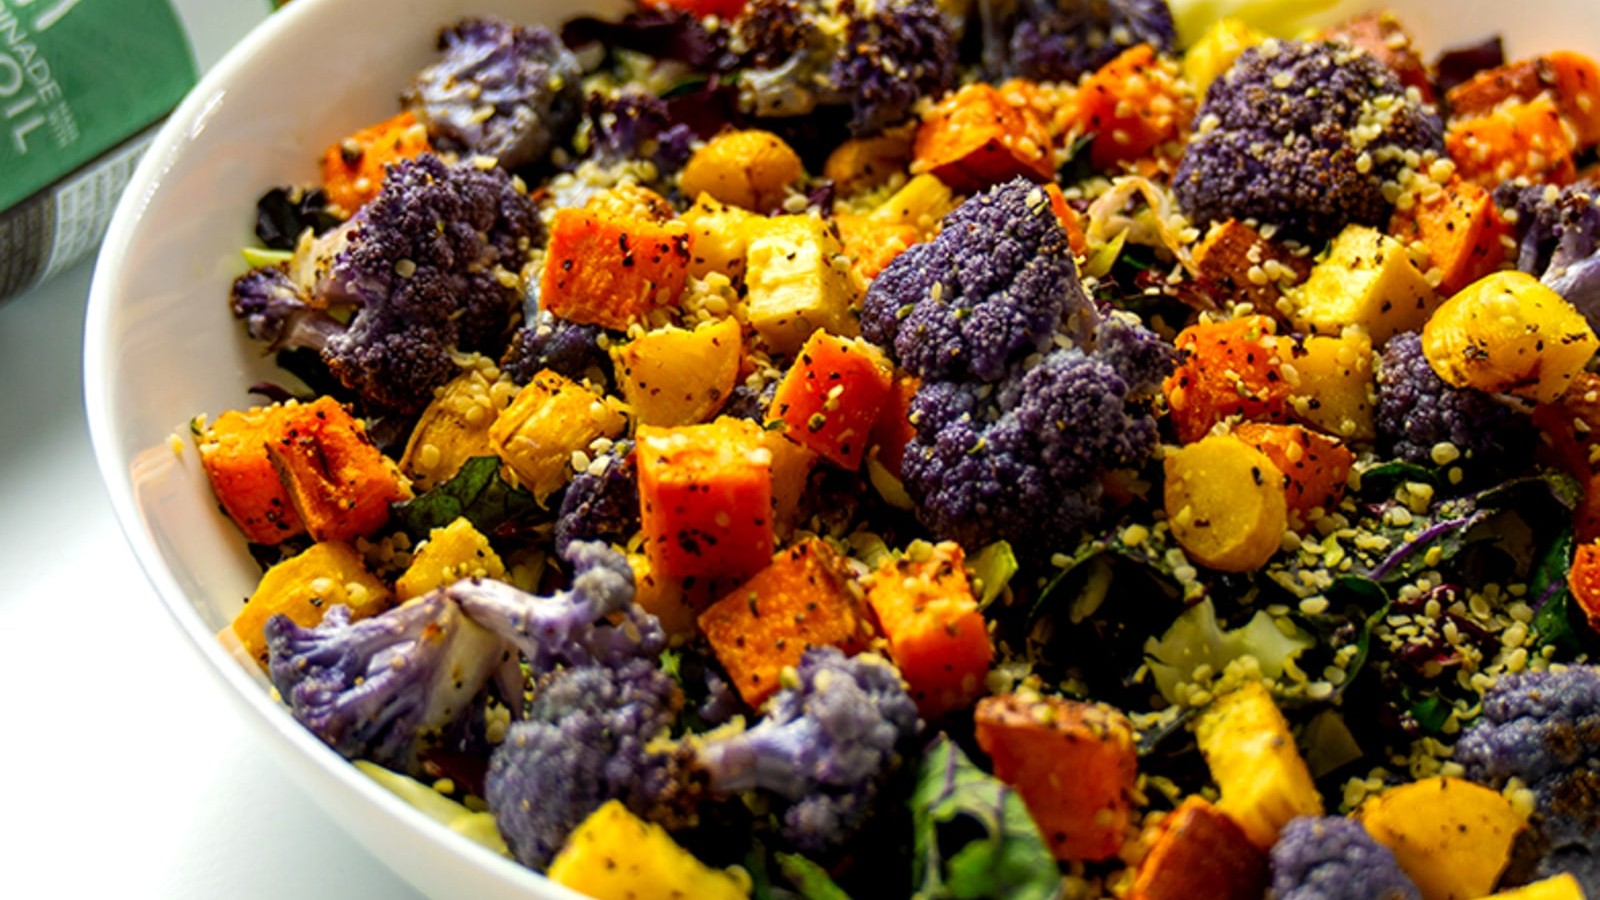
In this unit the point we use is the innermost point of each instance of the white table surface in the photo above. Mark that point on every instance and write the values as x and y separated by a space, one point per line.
126 771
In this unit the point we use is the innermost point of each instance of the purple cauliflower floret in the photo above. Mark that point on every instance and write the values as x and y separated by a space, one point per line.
572 627
995 286
878 59
587 740
1558 230
1417 410
276 310
824 748
500 90
1061 40
1544 729
385 688
1286 137
1334 858
601 502
561 345
1022 460
636 125
421 271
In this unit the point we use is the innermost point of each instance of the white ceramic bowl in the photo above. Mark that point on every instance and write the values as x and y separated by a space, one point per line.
162 347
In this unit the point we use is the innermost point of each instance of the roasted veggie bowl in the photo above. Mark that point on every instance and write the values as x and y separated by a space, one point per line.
773 449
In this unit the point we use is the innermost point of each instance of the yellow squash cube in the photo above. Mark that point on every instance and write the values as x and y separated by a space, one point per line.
1367 279
1337 386
1216 50
304 587
1248 746
675 376
1508 332
552 418
1452 837
453 429
799 280
719 235
1226 503
1561 887
615 855
451 553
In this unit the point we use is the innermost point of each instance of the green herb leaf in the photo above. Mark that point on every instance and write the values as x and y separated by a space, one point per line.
1002 856
477 491
810 879
994 565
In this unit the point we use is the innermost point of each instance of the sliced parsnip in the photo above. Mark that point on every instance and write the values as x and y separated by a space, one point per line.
1226 503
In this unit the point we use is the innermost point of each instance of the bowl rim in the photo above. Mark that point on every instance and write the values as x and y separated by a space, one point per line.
329 771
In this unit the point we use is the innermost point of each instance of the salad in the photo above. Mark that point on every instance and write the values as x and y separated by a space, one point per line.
810 448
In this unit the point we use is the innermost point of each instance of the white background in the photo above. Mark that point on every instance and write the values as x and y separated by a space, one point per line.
123 769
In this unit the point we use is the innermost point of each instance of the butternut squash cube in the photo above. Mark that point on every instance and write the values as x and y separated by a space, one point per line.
1367 279
677 376
1508 332
1336 386
938 637
609 270
1451 836
615 855
1561 887
452 429
1198 851
551 418
337 480
705 499
304 587
233 452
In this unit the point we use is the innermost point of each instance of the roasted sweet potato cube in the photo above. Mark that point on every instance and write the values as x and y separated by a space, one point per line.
1314 466
705 499
233 452
353 169
831 397
551 418
1232 368
1074 764
1517 139
303 588
1462 230
937 635
801 600
1383 36
610 271
1199 853
973 138
1238 265
1572 78
339 482
894 430
1137 109
873 243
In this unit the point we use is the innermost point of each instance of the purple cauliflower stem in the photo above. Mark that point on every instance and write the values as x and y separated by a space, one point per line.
385 688
1062 40
572 627
1558 233
1543 728
1303 136
824 748
426 271
1417 411
1334 858
500 90
588 739
995 286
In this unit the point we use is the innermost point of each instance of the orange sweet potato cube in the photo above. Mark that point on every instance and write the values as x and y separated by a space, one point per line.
338 481
832 395
611 270
1232 368
1517 139
1074 764
1462 229
974 138
1315 466
1199 853
353 169
801 600
1137 108
233 452
937 635
705 499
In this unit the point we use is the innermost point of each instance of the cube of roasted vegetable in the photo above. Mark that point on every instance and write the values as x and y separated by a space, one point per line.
763 626
922 202
1238 265
233 452
1461 229
705 499
1572 80
719 236
1232 368
1451 836
615 855
873 243
1226 503
752 169
1200 853
1314 466
1509 333
974 138
861 164
1367 279
791 464
1074 764
1138 109
454 427
937 636
1561 887
1253 759
450 554
663 598
1384 37
678 376
304 587
1335 385
339 483
799 280
552 418
611 271
352 169
832 395
1517 139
